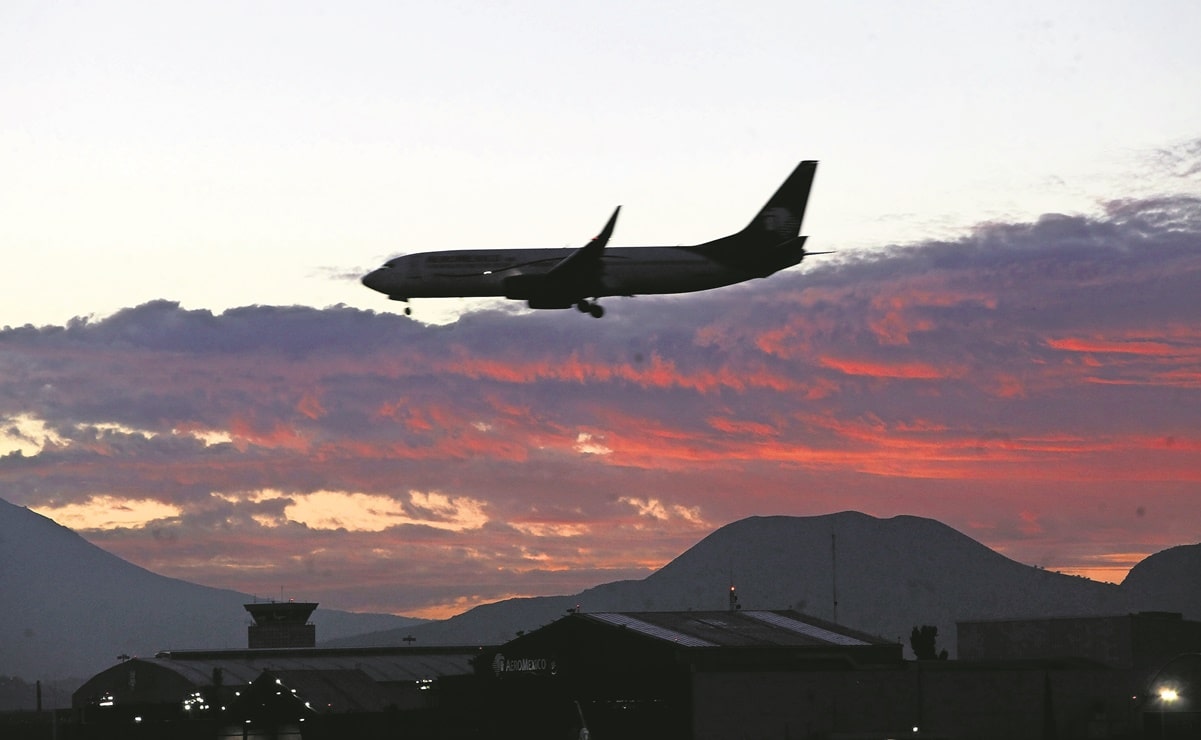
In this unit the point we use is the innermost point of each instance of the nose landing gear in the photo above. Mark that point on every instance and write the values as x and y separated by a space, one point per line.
402 299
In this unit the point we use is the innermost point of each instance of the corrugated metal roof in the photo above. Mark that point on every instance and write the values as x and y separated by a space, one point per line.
335 690
804 628
646 628
244 667
735 628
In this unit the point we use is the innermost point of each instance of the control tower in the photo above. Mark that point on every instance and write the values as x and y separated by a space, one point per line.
281 624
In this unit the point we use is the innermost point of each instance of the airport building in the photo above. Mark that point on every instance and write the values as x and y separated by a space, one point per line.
288 690
281 624
668 675
782 674
678 675
1151 662
1141 642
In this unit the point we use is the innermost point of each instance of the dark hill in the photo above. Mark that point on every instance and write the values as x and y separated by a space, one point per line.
1168 581
68 608
892 574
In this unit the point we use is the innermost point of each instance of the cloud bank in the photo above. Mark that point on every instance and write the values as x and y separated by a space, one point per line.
1035 385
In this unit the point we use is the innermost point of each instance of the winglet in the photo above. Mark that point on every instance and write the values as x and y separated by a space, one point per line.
603 237
591 251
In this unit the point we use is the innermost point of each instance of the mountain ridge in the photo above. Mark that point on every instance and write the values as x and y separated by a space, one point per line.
69 608
881 576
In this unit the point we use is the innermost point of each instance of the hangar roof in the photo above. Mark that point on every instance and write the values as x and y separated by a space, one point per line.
163 677
380 664
737 629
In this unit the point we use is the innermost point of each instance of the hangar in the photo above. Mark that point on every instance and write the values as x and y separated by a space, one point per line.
669 674
326 687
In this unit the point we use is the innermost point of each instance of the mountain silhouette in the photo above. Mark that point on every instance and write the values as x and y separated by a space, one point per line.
1167 581
68 608
886 575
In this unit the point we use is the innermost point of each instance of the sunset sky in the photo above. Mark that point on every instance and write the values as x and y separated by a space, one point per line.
1008 338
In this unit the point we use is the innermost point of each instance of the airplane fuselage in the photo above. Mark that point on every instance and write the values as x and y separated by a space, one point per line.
622 271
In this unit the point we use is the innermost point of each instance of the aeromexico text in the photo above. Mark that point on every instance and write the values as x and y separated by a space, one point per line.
502 665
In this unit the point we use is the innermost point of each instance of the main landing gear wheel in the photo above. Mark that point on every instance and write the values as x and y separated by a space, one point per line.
595 310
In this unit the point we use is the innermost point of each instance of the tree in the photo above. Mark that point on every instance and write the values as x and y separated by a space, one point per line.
923 641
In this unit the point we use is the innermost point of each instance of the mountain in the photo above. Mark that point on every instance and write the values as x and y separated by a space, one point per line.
887 576
68 608
1167 581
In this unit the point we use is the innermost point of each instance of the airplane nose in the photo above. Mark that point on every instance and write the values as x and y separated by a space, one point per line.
375 280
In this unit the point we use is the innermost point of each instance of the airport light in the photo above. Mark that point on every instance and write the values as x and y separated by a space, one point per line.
1167 696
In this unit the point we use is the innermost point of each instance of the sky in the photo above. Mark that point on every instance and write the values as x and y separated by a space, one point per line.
191 376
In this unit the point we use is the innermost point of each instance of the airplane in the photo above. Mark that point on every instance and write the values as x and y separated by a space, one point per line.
566 278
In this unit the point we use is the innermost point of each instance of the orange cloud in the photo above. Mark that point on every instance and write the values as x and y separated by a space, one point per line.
280 435
1101 346
310 406
894 370
736 426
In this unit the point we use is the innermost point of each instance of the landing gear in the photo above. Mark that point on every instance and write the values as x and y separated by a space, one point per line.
408 310
593 309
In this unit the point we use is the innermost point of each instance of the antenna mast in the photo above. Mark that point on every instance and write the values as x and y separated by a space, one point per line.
834 573
734 605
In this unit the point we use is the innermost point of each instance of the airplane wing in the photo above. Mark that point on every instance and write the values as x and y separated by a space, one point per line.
572 280
584 260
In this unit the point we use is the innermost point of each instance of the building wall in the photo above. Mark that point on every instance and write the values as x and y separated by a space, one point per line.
1106 640
1138 644
281 636
943 701
799 705
1158 637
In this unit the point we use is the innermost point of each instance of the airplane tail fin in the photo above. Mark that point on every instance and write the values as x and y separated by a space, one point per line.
772 240
780 219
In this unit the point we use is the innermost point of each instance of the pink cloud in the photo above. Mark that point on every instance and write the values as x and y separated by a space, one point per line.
897 370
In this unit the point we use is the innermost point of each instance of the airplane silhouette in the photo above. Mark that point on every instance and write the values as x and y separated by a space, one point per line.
565 278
